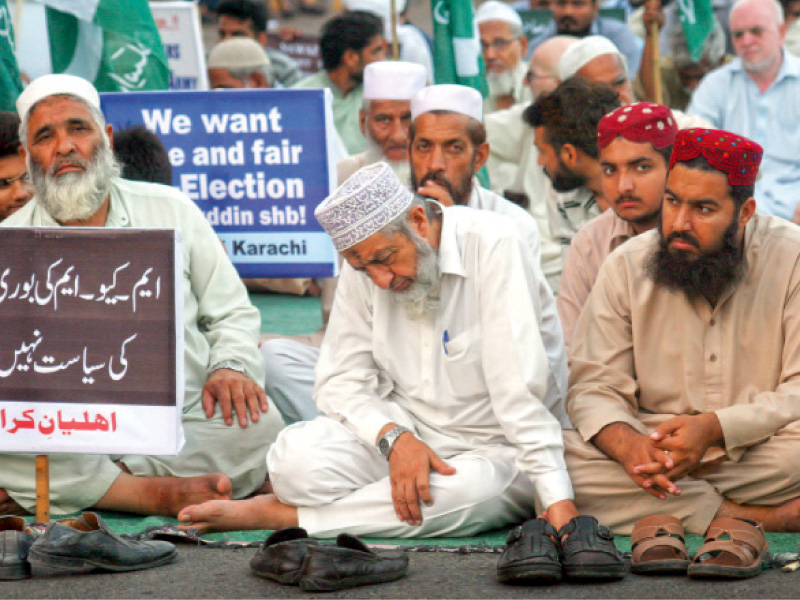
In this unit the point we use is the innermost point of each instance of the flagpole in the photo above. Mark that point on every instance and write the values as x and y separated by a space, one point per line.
395 45
658 95
18 18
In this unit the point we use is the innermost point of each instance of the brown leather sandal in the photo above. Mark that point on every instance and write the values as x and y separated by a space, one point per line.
734 549
658 546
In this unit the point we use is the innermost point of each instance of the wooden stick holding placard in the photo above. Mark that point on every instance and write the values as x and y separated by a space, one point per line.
42 488
658 96
395 44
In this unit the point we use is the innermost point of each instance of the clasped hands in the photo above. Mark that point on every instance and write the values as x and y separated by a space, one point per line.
656 461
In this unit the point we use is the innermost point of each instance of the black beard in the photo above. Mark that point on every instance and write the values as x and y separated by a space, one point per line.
560 30
565 180
459 193
707 275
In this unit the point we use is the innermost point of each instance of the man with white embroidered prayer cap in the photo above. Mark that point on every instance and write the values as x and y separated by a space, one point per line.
448 146
504 47
432 377
75 178
385 119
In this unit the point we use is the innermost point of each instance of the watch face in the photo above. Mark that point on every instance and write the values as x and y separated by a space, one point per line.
383 446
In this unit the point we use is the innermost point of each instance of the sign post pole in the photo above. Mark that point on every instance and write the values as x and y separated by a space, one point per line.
42 488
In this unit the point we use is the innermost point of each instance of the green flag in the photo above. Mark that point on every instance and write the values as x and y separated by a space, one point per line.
112 43
697 18
10 82
456 45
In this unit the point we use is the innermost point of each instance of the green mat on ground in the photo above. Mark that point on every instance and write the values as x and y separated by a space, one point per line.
132 525
288 315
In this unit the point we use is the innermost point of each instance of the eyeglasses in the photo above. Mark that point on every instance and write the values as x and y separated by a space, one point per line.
498 44
7 182
531 76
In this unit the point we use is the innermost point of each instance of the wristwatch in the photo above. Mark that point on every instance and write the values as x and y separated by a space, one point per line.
386 443
233 365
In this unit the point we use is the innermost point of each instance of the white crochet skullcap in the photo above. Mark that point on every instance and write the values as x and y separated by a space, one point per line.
56 85
492 10
364 204
450 97
585 50
393 80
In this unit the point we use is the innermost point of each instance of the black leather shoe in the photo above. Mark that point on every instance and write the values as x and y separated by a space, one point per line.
349 564
588 551
531 555
86 542
16 538
281 556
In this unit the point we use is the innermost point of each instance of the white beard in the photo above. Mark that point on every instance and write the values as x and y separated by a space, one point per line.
501 84
401 168
422 296
75 196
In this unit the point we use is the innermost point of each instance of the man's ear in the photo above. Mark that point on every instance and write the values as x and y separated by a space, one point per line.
418 221
258 80
350 58
569 155
481 156
523 42
362 121
110 134
746 212
261 38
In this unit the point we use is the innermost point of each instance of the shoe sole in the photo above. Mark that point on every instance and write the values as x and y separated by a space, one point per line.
701 571
660 567
286 579
316 584
69 563
20 571
527 575
595 573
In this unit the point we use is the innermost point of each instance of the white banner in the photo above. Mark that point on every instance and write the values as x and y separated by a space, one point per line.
179 26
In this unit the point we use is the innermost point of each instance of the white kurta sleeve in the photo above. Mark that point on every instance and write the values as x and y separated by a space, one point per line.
347 380
516 368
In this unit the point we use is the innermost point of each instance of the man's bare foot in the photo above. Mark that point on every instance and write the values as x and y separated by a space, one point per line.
163 495
258 512
779 519
8 506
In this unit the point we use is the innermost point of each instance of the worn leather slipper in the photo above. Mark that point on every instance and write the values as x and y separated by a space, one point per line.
531 555
588 552
658 546
734 549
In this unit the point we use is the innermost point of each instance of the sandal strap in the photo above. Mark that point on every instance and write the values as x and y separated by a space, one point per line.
657 526
745 554
584 533
740 532
658 542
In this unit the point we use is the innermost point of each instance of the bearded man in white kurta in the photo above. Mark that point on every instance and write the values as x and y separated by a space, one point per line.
432 378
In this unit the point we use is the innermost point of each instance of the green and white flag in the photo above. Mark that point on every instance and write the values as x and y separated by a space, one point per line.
456 45
697 18
113 43
10 82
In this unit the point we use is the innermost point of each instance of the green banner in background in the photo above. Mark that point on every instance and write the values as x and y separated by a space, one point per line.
10 81
457 49
697 18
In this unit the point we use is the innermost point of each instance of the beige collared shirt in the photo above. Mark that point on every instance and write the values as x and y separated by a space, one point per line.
640 349
589 248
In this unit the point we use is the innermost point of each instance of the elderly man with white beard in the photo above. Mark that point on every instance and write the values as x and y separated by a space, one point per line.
432 379
76 183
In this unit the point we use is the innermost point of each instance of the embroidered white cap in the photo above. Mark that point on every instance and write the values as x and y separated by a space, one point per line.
56 84
449 97
365 203
393 80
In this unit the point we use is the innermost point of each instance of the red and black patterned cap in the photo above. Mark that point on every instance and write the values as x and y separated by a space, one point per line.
640 122
734 155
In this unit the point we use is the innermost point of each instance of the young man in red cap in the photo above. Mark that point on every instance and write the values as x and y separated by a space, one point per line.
635 144
685 359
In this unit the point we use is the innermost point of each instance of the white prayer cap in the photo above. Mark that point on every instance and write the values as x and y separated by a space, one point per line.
449 97
393 80
584 51
365 203
492 10
56 85
237 53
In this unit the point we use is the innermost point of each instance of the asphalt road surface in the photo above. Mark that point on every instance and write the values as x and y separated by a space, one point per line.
201 572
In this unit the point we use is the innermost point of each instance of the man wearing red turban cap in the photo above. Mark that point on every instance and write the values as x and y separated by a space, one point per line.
686 359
